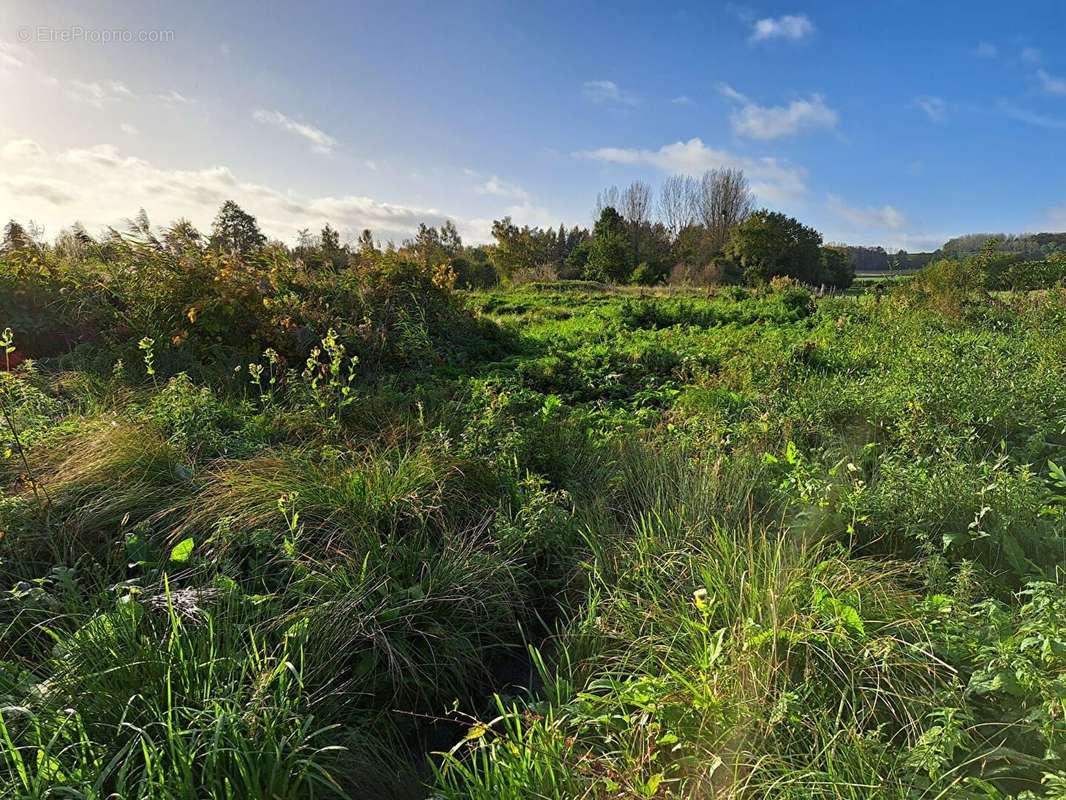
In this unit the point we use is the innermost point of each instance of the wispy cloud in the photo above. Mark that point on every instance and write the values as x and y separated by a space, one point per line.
607 92
986 50
885 216
320 141
771 179
128 129
97 93
1030 117
1050 83
934 107
683 100
775 122
175 98
792 27
500 188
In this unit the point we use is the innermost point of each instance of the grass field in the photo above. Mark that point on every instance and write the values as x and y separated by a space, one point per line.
559 541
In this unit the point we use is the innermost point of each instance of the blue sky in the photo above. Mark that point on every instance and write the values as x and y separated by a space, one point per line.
894 123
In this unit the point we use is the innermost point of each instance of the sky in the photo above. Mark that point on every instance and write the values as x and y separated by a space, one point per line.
887 123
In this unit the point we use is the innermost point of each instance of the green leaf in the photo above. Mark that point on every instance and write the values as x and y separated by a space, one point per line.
182 550
950 539
652 786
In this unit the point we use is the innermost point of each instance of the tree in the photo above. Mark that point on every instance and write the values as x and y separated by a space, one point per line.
724 200
608 198
329 240
676 203
836 268
15 237
768 244
609 253
450 240
366 243
236 231
330 251
522 248
636 208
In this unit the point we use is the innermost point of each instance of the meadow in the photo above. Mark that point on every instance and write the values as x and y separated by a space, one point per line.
270 528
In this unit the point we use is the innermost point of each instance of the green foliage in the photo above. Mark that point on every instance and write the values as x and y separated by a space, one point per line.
235 231
769 244
610 250
343 531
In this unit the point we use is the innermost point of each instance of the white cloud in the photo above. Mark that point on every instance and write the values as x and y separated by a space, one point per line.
934 107
607 92
129 130
175 98
370 164
49 190
1050 83
870 217
501 188
986 50
792 27
774 122
320 141
683 100
97 93
770 179
22 150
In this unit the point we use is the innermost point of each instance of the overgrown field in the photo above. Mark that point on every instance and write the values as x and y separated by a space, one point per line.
272 534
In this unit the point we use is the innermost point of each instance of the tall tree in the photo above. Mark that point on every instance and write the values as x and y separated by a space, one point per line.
608 198
329 240
450 240
15 236
608 258
367 247
676 203
724 201
236 231
636 209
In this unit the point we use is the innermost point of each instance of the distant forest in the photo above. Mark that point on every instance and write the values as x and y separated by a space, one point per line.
1031 246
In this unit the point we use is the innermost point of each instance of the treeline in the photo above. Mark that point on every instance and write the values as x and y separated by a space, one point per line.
1032 246
1026 246
879 260
696 231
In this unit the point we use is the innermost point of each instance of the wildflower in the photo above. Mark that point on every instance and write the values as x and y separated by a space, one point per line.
700 598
